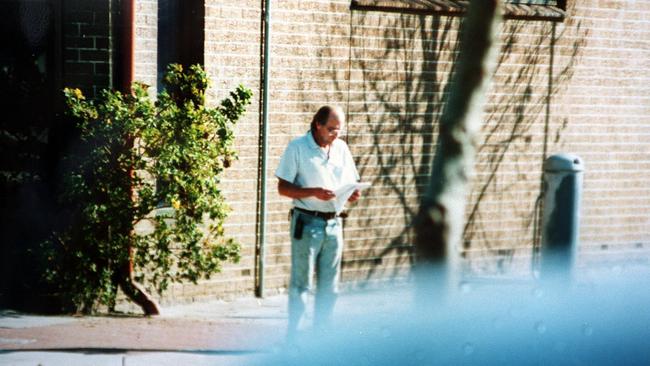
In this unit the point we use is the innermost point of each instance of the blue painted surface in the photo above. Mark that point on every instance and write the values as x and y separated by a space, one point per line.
606 322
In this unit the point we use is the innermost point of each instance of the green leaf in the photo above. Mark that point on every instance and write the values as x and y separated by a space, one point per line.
136 159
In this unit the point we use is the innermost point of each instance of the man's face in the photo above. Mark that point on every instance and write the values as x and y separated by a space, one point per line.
326 134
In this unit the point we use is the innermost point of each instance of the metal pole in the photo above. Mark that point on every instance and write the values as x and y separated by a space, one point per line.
563 176
265 136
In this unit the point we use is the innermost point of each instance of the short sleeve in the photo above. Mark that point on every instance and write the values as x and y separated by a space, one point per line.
288 168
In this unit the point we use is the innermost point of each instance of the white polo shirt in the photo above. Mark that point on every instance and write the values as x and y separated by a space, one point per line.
306 164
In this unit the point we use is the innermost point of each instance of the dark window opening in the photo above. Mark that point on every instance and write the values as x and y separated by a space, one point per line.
181 25
29 84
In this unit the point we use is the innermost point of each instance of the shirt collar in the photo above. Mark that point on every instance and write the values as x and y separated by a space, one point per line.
311 141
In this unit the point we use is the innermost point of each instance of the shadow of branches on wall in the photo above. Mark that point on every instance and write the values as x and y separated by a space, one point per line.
398 72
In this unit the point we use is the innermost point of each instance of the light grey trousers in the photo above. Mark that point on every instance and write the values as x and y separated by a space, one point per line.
318 251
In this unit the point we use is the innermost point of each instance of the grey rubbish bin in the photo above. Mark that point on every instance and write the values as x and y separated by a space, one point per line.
563 177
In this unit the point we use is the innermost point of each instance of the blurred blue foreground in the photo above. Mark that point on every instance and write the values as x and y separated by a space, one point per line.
604 320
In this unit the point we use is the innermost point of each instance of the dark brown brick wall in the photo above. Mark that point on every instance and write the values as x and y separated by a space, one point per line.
87 37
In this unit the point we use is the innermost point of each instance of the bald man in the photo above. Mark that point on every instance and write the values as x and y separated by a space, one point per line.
311 168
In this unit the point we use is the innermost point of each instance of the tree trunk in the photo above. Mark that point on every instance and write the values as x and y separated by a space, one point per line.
132 289
135 291
439 222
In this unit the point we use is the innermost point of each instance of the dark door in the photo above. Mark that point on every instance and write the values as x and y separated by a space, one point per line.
28 103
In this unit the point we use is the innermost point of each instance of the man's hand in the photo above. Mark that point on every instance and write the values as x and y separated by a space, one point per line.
323 194
355 196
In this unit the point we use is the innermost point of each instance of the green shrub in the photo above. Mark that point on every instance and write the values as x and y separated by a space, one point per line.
142 162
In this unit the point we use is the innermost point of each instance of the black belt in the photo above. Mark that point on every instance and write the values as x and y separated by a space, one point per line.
322 215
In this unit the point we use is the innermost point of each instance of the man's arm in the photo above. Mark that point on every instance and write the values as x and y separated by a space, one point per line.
293 191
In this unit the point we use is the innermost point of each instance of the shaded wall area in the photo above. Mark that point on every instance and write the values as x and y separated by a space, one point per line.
400 66
28 78
47 45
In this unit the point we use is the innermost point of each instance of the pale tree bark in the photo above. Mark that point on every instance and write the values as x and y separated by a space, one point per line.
439 222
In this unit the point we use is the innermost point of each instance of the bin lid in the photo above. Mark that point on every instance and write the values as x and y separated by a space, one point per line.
564 163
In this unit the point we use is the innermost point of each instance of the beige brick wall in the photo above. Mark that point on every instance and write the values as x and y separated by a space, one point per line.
146 43
232 57
603 114
580 86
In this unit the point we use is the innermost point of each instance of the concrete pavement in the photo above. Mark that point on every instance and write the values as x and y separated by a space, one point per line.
249 329
206 333
196 334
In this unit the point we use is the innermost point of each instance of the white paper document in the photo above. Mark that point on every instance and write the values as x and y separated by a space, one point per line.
343 193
